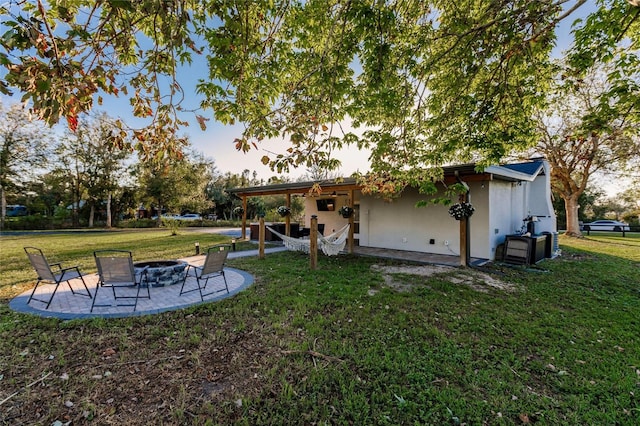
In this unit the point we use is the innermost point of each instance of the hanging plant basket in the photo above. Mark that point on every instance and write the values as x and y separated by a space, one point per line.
284 211
345 211
460 211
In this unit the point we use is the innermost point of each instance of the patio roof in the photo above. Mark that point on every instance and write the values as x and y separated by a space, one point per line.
525 171
328 185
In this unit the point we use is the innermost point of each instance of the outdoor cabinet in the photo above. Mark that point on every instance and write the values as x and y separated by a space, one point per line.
537 253
522 249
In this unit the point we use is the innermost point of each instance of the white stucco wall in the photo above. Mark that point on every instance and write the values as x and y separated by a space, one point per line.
507 201
400 225
500 207
332 220
479 222
540 204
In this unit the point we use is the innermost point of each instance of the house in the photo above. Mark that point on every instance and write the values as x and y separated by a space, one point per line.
508 199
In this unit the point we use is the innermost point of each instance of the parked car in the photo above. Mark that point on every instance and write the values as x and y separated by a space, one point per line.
606 225
14 210
167 216
190 216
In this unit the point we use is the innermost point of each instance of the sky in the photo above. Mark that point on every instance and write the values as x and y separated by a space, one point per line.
217 142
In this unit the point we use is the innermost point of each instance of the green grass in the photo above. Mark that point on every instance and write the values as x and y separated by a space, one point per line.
338 346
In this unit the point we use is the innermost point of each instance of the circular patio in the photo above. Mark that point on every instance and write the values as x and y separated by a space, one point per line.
67 306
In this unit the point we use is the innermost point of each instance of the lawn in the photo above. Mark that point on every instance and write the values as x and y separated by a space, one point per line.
358 341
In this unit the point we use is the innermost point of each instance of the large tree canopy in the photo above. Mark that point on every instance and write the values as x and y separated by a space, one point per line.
588 127
431 81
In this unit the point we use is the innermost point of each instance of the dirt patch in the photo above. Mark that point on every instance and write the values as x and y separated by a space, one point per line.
477 280
577 256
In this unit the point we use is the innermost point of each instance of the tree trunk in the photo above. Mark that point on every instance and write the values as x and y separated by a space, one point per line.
75 207
159 213
3 207
91 214
109 210
571 208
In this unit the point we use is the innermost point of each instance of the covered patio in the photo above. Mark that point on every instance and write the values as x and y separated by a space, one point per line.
351 190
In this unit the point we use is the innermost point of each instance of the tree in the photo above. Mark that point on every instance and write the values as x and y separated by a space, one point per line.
175 184
431 81
69 165
92 165
225 203
587 200
586 128
196 174
23 144
631 197
103 162
53 188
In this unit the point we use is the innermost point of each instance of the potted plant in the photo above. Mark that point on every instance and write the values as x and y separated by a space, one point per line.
345 211
460 211
284 211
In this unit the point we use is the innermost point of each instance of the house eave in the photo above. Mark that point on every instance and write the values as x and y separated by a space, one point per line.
465 172
504 173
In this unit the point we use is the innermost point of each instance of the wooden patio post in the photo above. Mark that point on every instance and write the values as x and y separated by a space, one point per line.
465 249
351 242
244 217
287 220
313 243
261 234
464 224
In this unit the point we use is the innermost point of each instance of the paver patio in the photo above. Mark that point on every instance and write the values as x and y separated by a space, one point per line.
67 306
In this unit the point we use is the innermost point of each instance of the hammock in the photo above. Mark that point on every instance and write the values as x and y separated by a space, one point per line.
330 245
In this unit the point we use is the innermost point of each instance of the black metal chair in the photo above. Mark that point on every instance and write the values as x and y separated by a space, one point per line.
213 267
48 275
116 270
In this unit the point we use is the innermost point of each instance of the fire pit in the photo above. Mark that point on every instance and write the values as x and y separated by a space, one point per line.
162 273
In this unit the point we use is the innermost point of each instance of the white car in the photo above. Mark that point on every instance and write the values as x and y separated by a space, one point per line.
606 225
167 216
190 216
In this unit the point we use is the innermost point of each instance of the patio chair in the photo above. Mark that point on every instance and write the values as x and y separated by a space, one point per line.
48 275
213 267
115 270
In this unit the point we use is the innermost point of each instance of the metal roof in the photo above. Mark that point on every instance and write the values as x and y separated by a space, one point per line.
532 168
